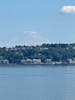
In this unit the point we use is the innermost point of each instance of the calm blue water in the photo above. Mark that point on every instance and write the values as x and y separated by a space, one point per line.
37 83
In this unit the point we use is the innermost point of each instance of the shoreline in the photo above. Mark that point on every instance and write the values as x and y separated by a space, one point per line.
15 65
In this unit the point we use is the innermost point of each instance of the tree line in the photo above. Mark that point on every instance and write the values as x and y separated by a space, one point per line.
55 52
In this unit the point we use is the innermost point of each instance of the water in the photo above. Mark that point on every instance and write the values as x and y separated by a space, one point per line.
37 83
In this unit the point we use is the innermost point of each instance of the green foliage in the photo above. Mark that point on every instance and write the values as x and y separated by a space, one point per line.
56 52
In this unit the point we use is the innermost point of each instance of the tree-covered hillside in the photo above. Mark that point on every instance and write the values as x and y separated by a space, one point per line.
55 52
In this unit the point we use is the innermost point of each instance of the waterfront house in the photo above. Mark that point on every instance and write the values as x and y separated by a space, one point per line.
26 61
71 61
49 61
58 62
4 61
36 61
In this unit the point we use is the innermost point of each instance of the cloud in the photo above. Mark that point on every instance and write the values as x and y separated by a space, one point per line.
68 9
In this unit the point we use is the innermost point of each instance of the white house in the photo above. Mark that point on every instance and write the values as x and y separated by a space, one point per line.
27 61
36 61
5 61
71 61
49 61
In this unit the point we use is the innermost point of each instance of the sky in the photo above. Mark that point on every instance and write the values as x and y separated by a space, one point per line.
32 22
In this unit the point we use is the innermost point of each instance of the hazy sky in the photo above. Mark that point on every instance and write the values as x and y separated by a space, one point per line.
36 21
